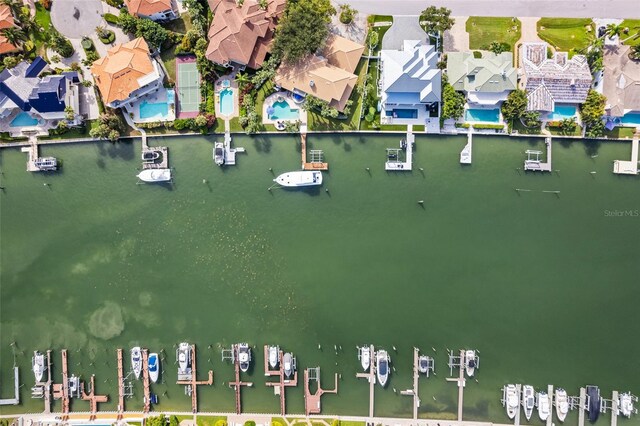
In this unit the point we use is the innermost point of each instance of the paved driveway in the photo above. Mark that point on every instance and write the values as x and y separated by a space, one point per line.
403 28
76 18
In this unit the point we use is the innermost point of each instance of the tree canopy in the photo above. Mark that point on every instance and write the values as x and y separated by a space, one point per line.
452 101
436 19
592 112
302 29
515 106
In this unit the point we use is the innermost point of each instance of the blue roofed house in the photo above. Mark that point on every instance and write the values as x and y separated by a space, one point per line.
410 85
28 100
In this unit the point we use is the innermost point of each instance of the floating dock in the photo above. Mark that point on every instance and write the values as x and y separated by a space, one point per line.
533 162
371 378
279 387
629 167
458 362
312 403
193 383
393 154
237 383
466 153
317 157
16 389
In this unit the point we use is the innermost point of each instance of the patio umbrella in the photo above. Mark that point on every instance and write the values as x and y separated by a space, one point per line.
270 111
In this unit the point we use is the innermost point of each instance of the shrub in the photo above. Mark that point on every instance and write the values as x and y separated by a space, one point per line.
87 44
111 18
110 37
373 39
115 3
347 14
60 44
477 54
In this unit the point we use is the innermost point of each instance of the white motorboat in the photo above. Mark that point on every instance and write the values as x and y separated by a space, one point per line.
528 400
136 361
543 406
364 353
218 153
562 404
154 367
470 362
155 175
299 178
244 356
38 365
289 364
184 358
382 367
510 400
423 364
274 354
625 404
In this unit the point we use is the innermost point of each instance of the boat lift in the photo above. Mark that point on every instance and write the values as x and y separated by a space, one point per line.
405 152
228 355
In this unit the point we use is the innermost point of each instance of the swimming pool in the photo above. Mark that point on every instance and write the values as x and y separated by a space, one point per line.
631 119
561 112
158 111
402 113
23 120
484 115
226 102
282 111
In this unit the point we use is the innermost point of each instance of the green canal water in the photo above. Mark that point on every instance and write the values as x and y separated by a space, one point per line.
545 286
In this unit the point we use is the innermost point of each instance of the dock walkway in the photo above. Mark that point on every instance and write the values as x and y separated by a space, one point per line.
230 153
583 406
414 391
371 378
533 163
16 388
461 384
629 167
316 162
120 381
193 382
407 164
551 410
467 151
237 384
312 403
279 386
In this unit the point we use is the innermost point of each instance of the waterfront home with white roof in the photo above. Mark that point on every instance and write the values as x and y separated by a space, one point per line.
621 86
486 81
410 85
558 80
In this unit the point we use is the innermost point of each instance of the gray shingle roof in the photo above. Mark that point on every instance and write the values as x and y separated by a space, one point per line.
491 73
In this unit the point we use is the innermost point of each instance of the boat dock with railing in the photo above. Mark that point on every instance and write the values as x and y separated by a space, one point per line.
533 162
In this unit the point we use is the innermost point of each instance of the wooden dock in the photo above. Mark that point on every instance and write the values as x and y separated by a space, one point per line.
193 382
461 384
407 164
551 410
65 383
237 384
279 386
414 391
16 388
47 385
145 380
312 402
93 398
314 164
519 392
534 164
467 151
371 377
583 406
34 162
629 167
615 410
121 407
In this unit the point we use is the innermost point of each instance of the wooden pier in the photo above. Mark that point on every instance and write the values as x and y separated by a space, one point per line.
36 163
461 384
279 386
120 382
629 167
397 165
316 162
193 382
371 377
533 163
414 391
519 392
312 403
615 410
237 384
551 410
145 380
47 385
62 391
582 407
16 388
93 398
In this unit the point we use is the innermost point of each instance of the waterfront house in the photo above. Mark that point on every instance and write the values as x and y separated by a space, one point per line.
485 81
28 99
127 73
328 75
156 10
552 81
621 85
410 85
6 21
240 34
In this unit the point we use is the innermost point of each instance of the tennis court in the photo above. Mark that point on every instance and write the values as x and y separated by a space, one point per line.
187 87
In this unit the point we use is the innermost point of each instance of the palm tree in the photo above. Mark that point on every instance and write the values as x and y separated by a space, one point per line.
634 53
14 35
242 79
614 30
29 25
15 6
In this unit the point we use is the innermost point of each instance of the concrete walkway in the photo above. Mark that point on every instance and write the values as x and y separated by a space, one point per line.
457 38
403 28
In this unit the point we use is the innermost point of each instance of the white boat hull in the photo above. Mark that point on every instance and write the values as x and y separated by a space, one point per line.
470 363
510 400
288 364
543 406
299 179
154 370
528 400
136 361
184 357
218 153
382 367
38 366
274 353
365 357
562 404
155 175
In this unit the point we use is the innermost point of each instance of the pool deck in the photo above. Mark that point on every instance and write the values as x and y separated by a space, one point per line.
220 86
159 96
629 167
286 97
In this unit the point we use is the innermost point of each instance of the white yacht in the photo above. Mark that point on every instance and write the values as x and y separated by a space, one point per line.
470 362
562 404
364 353
528 400
154 367
543 406
625 404
218 153
382 367
274 354
289 364
155 175
299 178
510 400
184 358
423 364
136 361
38 365
244 356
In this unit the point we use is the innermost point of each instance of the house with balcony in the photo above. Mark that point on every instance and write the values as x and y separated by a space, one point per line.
241 33
410 85
156 10
555 86
32 100
621 87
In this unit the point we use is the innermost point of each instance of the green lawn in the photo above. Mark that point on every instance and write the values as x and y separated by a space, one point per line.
167 54
633 38
418 128
82 132
234 125
484 30
517 126
620 132
209 420
180 25
566 34
379 18
43 19
557 131
381 31
169 60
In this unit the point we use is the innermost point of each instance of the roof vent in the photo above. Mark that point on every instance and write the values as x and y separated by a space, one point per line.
312 83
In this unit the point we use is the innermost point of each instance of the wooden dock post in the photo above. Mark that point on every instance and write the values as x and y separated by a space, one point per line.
583 404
